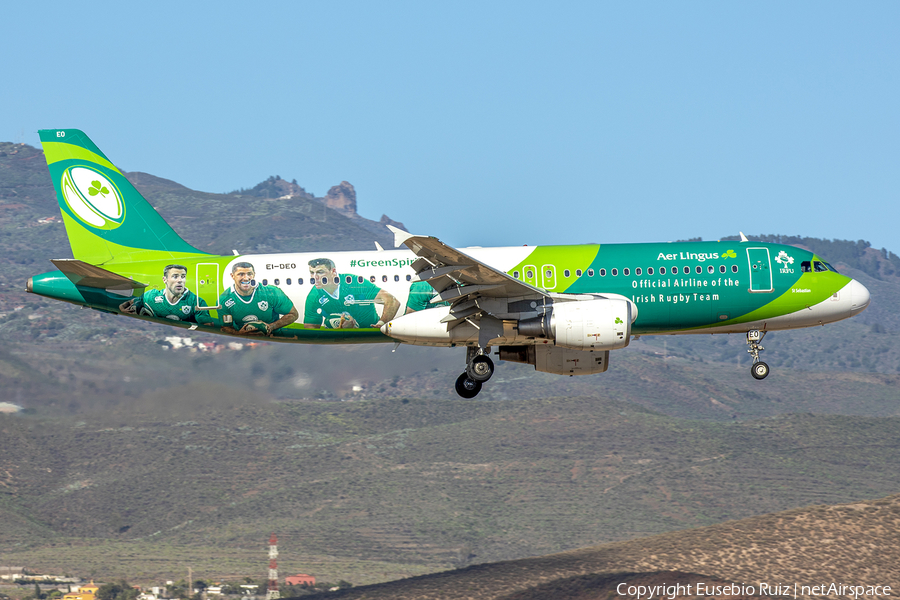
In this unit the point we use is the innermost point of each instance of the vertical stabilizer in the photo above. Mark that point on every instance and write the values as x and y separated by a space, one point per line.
107 220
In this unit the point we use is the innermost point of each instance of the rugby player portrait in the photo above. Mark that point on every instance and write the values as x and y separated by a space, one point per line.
250 309
175 302
343 301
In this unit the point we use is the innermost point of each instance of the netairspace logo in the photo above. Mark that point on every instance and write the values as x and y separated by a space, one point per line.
93 198
672 591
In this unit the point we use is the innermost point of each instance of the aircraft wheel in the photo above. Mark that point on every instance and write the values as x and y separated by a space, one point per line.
760 370
466 387
481 368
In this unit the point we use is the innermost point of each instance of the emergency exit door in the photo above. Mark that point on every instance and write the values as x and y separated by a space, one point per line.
209 286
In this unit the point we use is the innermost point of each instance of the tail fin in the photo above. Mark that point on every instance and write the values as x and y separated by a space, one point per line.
107 220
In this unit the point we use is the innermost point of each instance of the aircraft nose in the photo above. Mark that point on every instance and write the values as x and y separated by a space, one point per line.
859 297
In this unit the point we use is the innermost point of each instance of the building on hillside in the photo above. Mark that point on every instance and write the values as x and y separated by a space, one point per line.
11 572
84 592
300 579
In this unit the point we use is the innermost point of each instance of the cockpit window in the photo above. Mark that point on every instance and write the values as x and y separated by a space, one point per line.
819 267
805 267
829 267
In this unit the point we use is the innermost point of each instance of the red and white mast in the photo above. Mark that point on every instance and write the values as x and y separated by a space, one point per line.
272 591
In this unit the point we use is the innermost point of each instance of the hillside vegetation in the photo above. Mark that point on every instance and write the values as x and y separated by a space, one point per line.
132 459
853 544
424 483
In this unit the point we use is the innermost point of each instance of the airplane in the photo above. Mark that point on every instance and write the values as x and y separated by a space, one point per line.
561 309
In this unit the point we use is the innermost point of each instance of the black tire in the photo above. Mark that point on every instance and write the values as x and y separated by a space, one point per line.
759 370
467 388
481 368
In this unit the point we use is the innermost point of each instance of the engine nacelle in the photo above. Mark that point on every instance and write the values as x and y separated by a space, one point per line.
592 324
601 324
556 360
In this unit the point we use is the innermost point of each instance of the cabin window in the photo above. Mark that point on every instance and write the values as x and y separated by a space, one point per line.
515 274
638 271
265 282
662 270
299 281
349 278
396 278
626 272
687 270
722 269
577 272
734 268
277 282
409 277
710 269
615 272
549 273
602 272
384 279
360 279
649 270
567 273
372 279
699 269
590 272
288 281
529 274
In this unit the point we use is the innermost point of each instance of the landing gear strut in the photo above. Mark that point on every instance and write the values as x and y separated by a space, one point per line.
479 368
759 370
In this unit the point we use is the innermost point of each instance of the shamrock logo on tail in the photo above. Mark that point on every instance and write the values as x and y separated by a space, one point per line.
97 188
729 254
618 321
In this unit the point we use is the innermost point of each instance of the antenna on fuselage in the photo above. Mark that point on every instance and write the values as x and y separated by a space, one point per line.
743 237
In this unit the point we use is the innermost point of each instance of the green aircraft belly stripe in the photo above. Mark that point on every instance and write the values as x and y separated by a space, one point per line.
57 151
821 286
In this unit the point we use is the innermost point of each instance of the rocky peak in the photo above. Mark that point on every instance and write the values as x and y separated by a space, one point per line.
342 198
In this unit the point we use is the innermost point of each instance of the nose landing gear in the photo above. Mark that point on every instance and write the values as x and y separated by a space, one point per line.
759 370
479 368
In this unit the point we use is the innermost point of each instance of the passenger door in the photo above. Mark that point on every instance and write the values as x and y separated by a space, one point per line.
760 269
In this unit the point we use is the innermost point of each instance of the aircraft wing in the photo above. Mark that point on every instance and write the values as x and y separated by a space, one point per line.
478 293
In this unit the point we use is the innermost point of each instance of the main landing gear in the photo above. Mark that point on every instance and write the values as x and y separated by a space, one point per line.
759 370
479 368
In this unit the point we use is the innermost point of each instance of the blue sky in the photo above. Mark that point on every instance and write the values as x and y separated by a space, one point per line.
492 123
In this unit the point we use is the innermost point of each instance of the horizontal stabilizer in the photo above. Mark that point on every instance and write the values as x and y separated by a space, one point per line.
84 274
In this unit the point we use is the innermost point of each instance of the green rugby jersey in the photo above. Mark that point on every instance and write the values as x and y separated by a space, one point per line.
155 304
354 299
420 295
267 303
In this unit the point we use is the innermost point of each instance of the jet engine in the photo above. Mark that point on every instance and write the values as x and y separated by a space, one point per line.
601 324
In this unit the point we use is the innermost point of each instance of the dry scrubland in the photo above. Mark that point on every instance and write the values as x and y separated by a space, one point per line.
850 543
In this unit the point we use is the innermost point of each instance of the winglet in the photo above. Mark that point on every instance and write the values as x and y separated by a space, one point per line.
743 237
378 246
400 236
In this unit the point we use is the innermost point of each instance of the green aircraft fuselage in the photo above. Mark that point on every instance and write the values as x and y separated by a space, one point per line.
559 308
